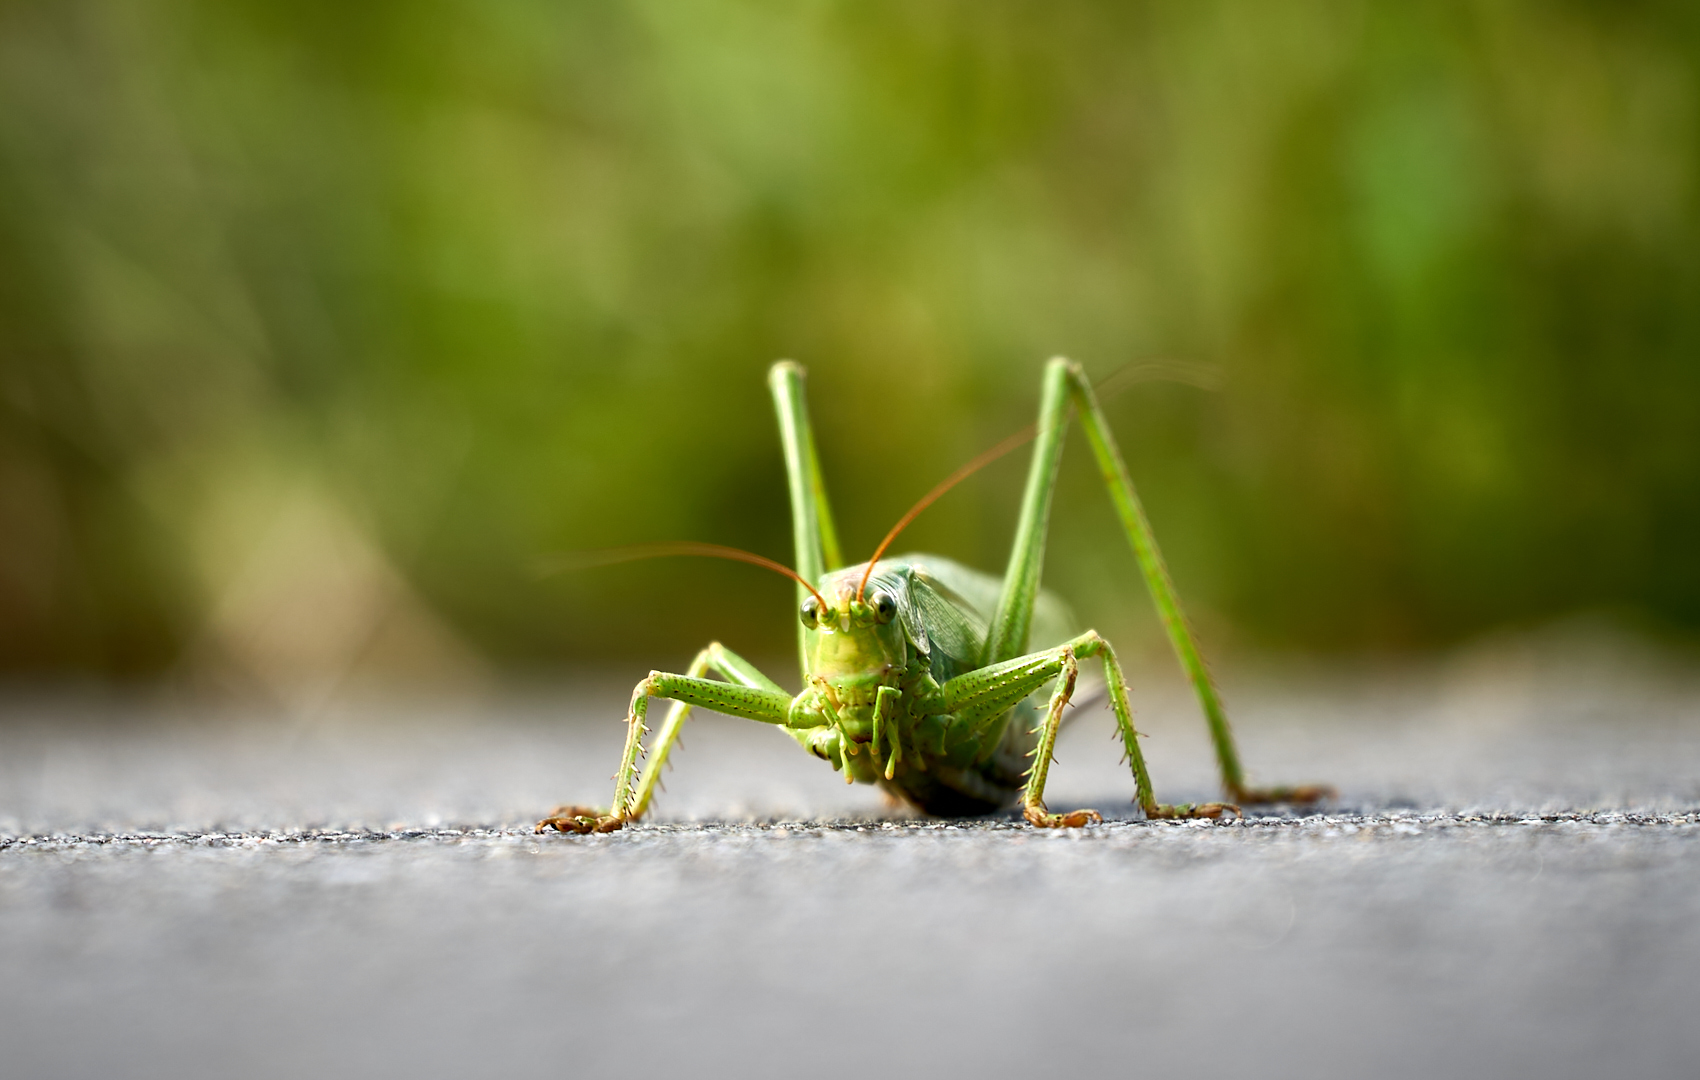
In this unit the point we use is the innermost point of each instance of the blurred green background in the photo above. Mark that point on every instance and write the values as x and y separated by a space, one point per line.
320 323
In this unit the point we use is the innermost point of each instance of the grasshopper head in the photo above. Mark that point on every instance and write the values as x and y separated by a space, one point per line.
850 635
855 645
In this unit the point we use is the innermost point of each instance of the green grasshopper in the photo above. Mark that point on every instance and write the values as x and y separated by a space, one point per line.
919 674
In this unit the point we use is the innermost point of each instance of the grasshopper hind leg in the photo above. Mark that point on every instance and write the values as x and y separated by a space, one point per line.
1066 388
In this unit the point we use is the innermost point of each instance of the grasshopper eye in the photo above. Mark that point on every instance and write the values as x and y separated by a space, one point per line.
811 613
885 608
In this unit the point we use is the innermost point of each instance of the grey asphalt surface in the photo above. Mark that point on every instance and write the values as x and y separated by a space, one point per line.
1509 886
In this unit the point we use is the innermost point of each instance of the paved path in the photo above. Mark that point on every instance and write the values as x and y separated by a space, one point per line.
1509 887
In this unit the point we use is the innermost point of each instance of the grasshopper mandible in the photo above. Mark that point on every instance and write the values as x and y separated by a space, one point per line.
918 673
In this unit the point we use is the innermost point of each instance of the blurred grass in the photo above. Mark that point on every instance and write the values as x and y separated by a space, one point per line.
310 302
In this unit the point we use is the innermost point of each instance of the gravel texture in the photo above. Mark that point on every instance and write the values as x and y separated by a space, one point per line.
1510 886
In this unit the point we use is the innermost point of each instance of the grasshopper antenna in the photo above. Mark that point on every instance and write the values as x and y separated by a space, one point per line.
583 560
1203 376
1024 435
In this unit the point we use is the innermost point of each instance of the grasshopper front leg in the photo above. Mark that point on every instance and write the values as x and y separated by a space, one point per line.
747 693
979 696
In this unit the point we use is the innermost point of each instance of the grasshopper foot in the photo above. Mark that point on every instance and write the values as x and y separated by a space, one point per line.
1212 810
580 819
1302 793
1040 818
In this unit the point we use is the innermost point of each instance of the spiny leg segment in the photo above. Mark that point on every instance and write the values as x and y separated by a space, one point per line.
1033 806
747 693
980 695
